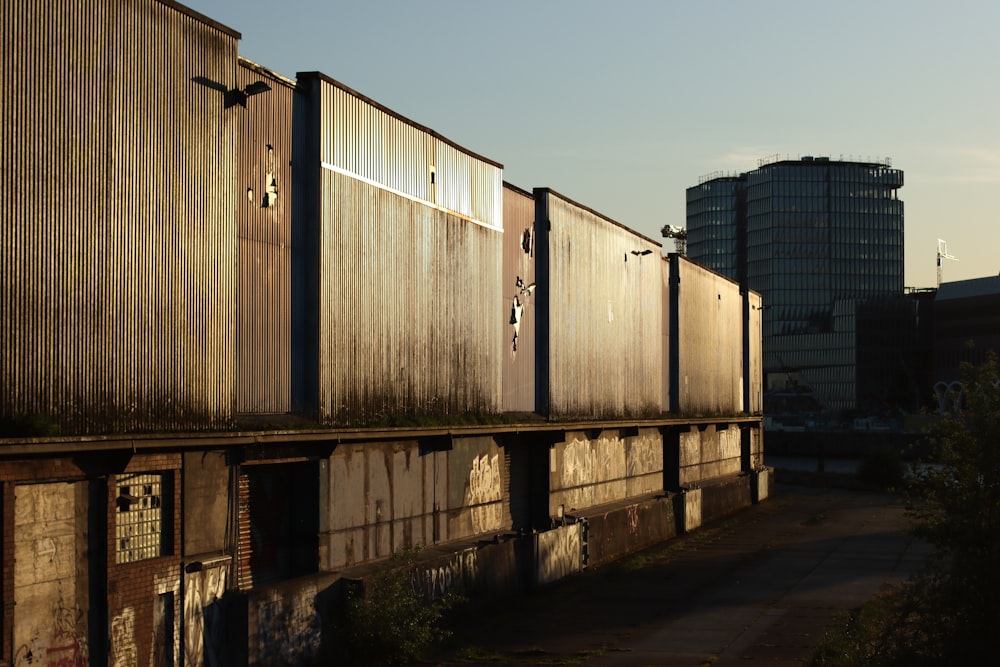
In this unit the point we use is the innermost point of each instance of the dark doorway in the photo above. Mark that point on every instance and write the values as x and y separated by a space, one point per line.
281 527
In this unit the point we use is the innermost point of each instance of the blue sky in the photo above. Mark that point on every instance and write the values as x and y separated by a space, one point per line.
622 106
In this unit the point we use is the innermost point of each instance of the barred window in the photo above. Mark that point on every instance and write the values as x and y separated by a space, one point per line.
143 522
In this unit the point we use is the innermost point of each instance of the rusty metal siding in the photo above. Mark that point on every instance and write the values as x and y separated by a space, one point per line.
409 294
603 314
117 276
518 353
264 220
709 341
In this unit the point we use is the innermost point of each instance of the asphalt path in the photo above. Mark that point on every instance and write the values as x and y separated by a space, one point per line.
760 587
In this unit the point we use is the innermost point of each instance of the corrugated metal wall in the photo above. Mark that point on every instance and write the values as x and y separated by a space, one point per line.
410 315
518 353
117 233
264 219
753 357
667 335
374 144
603 314
709 341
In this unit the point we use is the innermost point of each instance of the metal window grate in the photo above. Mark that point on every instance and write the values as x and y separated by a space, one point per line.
138 530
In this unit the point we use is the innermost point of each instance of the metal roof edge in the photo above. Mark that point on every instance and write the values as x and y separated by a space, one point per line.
264 71
520 191
184 9
56 445
550 191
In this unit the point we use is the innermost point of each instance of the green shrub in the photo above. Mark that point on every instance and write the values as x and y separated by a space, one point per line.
389 620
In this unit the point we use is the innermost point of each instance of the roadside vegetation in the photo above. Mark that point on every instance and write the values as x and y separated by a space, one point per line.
389 620
949 614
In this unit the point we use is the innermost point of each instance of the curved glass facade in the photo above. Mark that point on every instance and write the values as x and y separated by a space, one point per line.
815 237
819 232
714 229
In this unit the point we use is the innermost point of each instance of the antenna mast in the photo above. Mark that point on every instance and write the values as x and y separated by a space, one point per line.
942 253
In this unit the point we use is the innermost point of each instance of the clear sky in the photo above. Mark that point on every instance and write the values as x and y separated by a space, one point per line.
623 105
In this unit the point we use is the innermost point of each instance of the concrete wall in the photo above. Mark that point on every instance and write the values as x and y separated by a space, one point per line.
482 571
707 452
558 553
206 510
590 469
51 584
626 529
387 496
284 626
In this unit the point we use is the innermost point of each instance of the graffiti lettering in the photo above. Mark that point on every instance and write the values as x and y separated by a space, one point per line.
484 494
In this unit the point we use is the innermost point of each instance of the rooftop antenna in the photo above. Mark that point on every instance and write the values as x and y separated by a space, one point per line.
942 253
679 235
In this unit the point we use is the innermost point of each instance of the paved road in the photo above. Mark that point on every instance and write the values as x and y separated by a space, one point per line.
759 588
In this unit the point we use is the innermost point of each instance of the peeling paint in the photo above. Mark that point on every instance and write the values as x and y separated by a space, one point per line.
123 649
270 199
524 290
516 312
528 241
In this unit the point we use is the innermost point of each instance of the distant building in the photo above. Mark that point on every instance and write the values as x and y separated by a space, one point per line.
716 225
966 325
819 239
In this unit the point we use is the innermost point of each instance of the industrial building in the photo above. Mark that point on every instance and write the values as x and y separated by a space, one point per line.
966 331
822 241
258 334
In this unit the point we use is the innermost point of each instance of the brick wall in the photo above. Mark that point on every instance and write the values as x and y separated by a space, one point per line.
134 589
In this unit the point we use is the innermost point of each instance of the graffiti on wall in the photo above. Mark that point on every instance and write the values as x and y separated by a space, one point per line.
63 645
645 455
288 628
123 648
578 464
484 493
559 553
201 589
436 581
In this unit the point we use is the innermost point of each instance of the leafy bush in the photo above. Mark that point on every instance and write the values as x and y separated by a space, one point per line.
947 614
388 620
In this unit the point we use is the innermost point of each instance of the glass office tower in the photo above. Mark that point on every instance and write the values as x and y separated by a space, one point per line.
715 225
819 232
817 238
